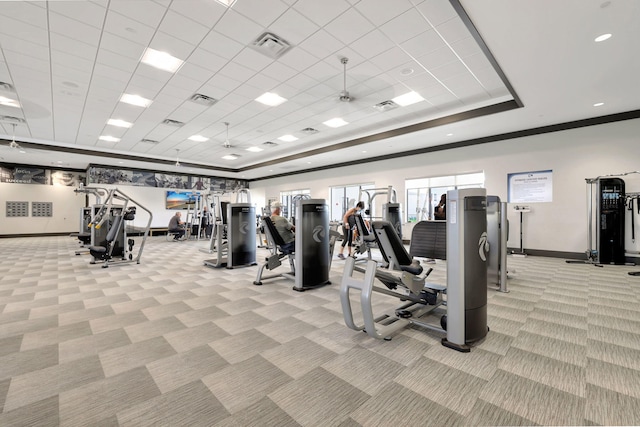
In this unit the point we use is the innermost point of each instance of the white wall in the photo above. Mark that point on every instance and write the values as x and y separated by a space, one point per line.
66 209
573 155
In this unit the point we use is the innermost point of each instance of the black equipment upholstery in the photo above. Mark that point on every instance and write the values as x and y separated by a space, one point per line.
429 240
384 230
277 239
101 252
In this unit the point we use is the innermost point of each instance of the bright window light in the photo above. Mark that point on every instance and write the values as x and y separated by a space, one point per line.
602 38
335 122
254 149
230 157
8 102
198 138
161 60
119 123
288 138
108 138
136 100
408 99
270 99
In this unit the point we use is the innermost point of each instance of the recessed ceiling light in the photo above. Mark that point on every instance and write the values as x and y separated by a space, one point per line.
108 138
408 99
449 134
254 149
136 100
161 60
230 157
198 138
602 37
598 104
364 151
406 71
226 3
288 138
121 163
8 102
270 99
308 163
335 122
119 123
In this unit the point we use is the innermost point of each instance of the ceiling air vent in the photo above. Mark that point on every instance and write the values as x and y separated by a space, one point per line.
271 45
11 119
199 98
6 86
309 131
149 141
170 122
269 144
385 106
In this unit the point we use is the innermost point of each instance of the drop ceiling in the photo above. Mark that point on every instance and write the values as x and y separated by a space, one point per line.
483 67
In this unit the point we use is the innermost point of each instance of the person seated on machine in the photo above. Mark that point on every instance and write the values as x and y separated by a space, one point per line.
285 229
176 226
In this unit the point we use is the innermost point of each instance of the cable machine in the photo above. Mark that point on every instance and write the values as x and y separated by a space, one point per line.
391 209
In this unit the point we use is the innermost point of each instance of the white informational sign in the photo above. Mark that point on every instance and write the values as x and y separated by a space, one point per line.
530 187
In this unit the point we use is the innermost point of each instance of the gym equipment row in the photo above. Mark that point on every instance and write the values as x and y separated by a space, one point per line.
465 318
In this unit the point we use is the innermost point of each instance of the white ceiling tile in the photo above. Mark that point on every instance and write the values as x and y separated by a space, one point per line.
293 27
85 12
74 29
195 72
207 60
25 47
252 59
74 47
139 84
145 12
237 71
453 30
221 45
183 28
387 60
14 28
69 76
418 81
321 44
449 70
424 43
107 71
223 83
117 61
260 11
185 82
122 46
405 26
477 62
372 44
437 58
381 11
321 13
349 27
122 26
298 59
26 61
205 12
324 71
263 83
25 12
437 11
167 43
238 28
277 70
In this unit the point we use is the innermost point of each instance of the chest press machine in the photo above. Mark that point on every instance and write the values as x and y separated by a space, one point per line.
465 319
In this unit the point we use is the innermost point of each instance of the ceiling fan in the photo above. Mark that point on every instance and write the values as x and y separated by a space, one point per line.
344 95
226 143
178 157
13 144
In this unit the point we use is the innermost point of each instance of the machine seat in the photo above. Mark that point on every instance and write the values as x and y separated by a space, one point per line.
277 239
414 268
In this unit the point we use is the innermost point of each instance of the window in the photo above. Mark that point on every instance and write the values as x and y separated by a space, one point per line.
423 194
288 198
344 198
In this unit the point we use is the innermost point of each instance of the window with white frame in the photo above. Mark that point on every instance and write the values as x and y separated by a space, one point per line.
287 198
423 194
345 197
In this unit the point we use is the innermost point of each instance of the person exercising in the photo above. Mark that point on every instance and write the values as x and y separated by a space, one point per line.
176 226
441 210
348 225
285 229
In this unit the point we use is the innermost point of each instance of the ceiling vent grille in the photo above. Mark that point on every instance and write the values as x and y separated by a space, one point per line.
269 144
149 141
271 45
11 119
385 106
174 123
309 131
201 99
8 87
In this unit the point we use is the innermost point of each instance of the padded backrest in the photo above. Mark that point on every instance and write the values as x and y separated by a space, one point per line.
273 232
113 231
429 240
390 243
363 230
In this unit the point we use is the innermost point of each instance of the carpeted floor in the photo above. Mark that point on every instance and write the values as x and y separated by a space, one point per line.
171 342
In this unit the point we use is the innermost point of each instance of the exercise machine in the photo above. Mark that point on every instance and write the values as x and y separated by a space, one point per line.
497 236
391 209
310 262
465 319
112 246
